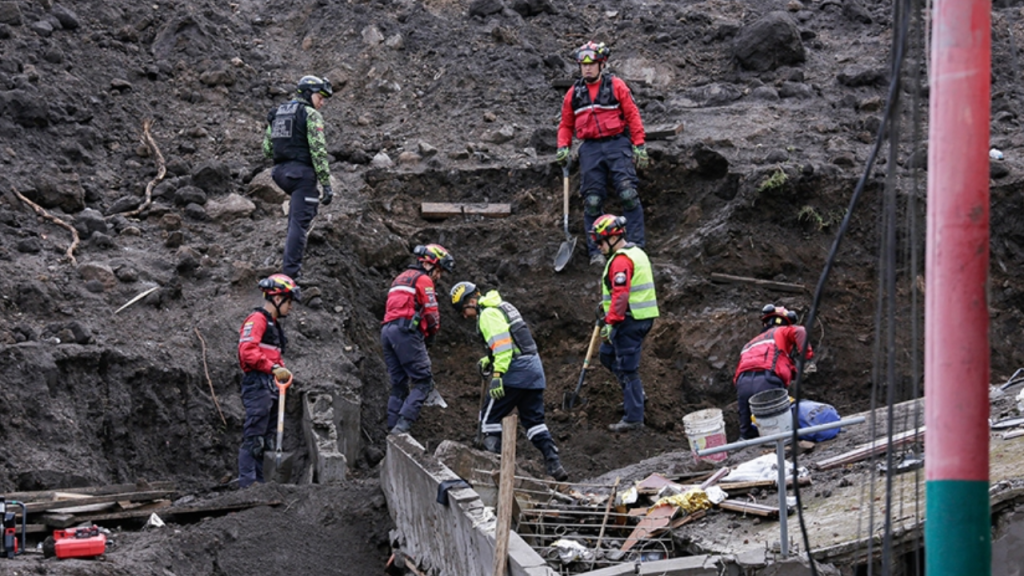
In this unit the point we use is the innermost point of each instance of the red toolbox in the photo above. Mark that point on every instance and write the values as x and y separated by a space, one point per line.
79 542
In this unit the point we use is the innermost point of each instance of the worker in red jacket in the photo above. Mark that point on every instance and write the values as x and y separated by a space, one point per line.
411 322
600 109
768 361
261 343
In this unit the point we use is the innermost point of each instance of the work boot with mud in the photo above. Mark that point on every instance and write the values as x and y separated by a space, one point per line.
623 426
402 426
555 470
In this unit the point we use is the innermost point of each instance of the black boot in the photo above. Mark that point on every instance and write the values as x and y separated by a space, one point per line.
552 463
492 443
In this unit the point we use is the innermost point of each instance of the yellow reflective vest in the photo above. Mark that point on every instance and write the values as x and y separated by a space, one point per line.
643 302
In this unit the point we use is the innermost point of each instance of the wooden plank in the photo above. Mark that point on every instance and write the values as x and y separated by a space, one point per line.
781 286
212 509
33 507
655 522
684 520
750 508
65 519
731 487
869 449
40 495
505 493
448 209
663 131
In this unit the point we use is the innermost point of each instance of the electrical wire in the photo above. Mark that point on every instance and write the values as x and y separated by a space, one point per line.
894 84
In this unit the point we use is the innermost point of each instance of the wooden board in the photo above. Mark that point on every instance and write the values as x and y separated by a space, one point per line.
869 449
33 507
782 286
505 493
655 522
64 519
40 495
750 508
663 131
211 509
449 209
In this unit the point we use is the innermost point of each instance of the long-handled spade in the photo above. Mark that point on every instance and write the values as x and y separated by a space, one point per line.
570 400
281 387
567 247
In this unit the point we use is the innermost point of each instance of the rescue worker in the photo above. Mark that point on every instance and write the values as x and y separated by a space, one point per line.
294 139
628 308
768 360
517 375
261 344
600 110
411 322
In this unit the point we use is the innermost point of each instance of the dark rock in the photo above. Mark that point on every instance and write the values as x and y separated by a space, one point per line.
94 286
80 333
5 32
31 245
187 261
544 140
195 212
176 238
165 189
127 274
31 298
178 167
42 28
189 195
854 11
68 19
484 8
715 94
10 14
214 177
844 159
795 90
47 194
124 204
170 221
89 221
101 241
854 76
776 156
918 159
527 8
29 109
764 93
770 42
218 77
998 169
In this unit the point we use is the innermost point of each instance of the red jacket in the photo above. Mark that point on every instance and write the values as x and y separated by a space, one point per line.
774 350
620 276
261 342
599 110
412 293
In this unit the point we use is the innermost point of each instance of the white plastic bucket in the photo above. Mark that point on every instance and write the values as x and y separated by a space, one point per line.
705 429
772 410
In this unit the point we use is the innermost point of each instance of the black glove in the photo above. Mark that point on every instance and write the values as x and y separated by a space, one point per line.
429 340
599 314
328 196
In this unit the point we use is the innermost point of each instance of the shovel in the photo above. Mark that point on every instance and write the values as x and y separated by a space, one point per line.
281 387
569 400
565 250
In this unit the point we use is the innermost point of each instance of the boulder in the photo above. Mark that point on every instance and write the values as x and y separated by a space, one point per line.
10 13
233 207
214 177
263 187
483 8
770 42
99 272
29 109
68 19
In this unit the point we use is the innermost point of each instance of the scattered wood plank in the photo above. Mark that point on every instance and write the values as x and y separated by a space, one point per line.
682 521
209 509
663 131
1012 434
736 487
750 508
448 209
874 448
781 286
33 507
505 493
39 495
63 520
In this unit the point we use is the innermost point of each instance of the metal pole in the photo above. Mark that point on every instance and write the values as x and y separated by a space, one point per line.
958 530
780 451
781 436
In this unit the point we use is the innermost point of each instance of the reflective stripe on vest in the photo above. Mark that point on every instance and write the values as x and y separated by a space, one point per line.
643 302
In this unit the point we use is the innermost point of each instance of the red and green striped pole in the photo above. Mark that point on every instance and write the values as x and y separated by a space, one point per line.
957 514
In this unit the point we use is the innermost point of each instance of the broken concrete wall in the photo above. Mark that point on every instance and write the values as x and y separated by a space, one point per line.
453 539
1007 544
327 463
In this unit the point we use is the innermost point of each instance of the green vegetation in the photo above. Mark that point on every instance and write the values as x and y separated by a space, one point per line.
777 180
818 220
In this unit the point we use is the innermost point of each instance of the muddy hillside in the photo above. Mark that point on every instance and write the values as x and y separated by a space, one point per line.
443 101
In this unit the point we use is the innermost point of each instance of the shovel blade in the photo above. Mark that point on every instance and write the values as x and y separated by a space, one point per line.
564 254
572 401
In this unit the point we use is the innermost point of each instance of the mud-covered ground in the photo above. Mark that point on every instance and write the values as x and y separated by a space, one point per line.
459 97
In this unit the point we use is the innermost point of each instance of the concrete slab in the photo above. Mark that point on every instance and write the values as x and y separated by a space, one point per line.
702 565
328 463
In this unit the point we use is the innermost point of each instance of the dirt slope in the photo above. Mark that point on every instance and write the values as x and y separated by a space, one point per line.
754 186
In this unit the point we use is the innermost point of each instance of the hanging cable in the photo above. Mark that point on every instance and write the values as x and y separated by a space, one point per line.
894 84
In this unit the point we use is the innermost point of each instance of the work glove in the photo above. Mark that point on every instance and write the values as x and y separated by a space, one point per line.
485 366
599 314
640 157
281 374
606 332
429 340
497 388
562 156
328 196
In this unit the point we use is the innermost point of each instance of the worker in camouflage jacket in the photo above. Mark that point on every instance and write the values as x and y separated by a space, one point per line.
294 139
515 369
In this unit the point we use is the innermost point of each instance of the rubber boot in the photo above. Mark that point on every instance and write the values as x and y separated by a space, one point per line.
492 443
552 463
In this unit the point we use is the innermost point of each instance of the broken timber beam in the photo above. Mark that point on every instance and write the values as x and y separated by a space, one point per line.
663 132
34 507
39 495
209 509
749 508
781 286
874 448
448 209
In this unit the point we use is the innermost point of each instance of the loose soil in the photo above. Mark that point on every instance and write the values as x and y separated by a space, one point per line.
754 186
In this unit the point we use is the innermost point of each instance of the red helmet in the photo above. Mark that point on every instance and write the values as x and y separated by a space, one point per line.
435 254
607 226
279 284
591 53
777 315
